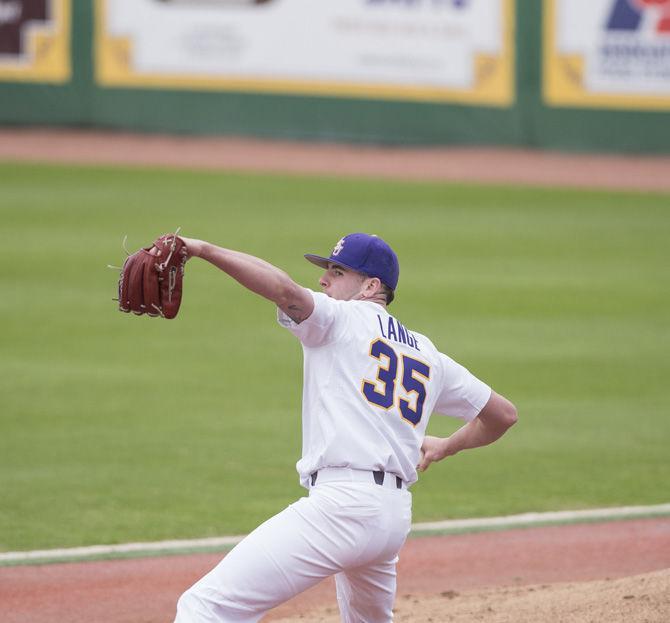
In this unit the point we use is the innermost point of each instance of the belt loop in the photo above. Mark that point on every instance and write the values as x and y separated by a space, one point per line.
379 477
313 478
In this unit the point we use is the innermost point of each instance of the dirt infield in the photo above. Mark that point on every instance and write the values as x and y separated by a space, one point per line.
461 164
616 572
612 572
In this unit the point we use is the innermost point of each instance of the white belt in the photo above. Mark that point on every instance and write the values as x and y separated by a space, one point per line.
346 474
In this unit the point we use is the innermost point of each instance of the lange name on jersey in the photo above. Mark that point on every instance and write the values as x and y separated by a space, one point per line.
392 329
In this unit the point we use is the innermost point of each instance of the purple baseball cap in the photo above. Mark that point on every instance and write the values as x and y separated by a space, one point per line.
364 253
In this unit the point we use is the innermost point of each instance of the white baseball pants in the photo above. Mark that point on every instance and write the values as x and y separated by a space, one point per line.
349 527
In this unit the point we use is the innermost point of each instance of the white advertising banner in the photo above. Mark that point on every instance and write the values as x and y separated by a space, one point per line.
411 49
607 53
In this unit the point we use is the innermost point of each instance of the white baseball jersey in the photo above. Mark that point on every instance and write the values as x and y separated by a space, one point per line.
370 386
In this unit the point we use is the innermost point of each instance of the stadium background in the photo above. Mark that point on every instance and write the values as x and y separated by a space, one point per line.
94 76
553 295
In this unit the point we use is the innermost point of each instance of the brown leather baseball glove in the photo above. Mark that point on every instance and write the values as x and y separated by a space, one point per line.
151 279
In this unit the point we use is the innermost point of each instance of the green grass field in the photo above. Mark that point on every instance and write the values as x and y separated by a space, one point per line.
115 428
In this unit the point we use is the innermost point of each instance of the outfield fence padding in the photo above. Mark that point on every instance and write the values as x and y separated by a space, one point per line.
553 74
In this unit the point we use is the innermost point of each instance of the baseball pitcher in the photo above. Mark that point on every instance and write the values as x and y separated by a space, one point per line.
370 386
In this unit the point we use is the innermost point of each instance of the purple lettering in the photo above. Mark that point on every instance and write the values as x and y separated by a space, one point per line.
391 330
381 327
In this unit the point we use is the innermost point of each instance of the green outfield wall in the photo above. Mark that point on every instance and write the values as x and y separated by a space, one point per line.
532 88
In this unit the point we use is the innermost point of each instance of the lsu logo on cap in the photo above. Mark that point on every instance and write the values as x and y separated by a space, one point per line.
338 247
628 15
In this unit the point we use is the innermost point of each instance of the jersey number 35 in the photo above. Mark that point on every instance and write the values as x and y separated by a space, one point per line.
412 375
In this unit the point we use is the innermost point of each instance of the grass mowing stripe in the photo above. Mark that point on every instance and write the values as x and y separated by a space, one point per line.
550 296
221 544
